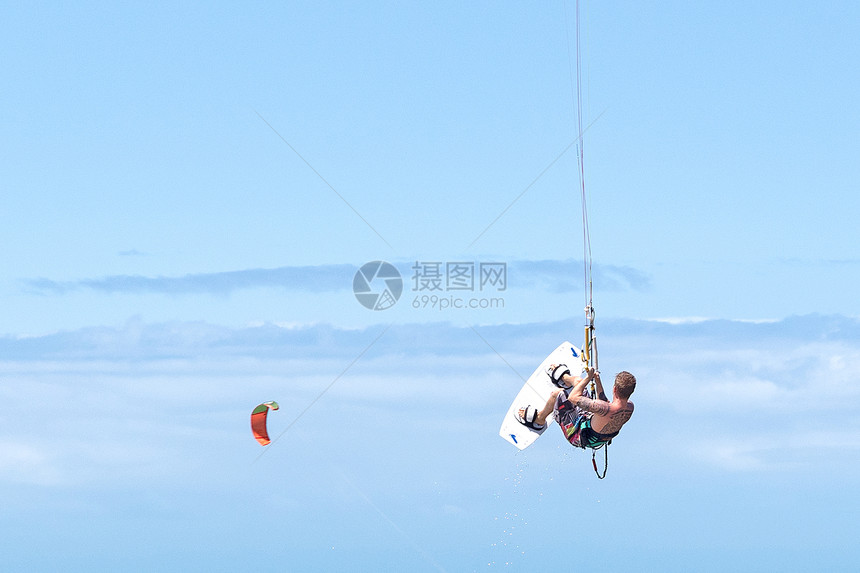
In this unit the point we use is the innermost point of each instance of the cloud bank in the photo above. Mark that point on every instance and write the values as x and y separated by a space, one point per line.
555 276
321 278
150 421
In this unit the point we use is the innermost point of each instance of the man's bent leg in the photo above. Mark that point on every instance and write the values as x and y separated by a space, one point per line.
548 408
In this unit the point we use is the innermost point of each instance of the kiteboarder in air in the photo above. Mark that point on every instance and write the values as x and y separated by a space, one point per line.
586 422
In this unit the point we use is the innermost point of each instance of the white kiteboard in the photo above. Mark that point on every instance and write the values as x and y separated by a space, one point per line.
536 392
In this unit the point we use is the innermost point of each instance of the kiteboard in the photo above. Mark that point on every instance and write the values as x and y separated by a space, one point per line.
535 392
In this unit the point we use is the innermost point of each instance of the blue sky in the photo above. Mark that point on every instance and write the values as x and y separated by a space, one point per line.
188 193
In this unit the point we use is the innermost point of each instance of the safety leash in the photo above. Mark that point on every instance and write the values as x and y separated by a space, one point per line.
605 460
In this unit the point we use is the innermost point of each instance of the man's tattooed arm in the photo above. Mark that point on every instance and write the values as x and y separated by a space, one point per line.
599 385
599 407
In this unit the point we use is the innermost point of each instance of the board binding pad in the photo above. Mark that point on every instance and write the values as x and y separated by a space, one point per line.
535 392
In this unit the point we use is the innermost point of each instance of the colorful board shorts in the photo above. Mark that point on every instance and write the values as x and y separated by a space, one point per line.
576 424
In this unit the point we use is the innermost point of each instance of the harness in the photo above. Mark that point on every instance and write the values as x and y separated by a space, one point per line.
580 434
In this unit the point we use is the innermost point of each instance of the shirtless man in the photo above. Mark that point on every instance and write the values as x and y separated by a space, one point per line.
586 423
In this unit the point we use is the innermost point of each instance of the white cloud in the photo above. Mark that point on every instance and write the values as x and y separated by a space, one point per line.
778 450
305 278
22 462
552 275
727 455
733 395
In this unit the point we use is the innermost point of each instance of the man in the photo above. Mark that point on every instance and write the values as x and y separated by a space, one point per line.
586 422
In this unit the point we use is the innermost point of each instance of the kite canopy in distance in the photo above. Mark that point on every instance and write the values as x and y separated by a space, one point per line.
258 421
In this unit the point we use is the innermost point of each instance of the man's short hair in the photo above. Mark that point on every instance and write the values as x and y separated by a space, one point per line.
625 384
